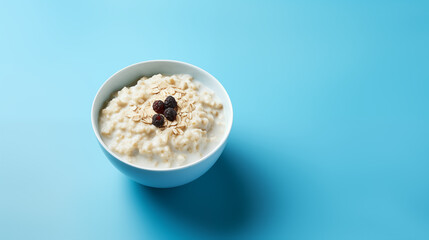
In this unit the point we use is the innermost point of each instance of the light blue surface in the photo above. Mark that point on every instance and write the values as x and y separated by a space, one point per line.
331 119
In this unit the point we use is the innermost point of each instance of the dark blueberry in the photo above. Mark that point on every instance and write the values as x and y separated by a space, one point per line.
158 120
170 114
158 106
170 102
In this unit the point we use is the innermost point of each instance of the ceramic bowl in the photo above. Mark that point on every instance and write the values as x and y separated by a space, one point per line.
152 177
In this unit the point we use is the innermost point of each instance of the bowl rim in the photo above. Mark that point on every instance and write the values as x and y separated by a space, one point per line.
210 153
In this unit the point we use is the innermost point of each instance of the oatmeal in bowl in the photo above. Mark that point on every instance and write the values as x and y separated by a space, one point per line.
162 123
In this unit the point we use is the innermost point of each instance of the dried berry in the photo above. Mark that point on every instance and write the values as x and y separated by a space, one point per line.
158 120
170 114
158 106
170 102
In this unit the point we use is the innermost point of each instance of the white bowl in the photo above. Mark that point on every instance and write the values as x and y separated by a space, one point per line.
161 178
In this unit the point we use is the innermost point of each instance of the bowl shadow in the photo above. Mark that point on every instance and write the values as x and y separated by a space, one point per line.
220 201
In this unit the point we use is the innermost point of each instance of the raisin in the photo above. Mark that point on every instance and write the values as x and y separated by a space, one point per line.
158 106
170 114
170 102
158 120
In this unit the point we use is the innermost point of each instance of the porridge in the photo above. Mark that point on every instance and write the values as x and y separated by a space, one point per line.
162 121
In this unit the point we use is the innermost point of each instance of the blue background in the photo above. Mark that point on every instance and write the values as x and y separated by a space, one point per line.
331 128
